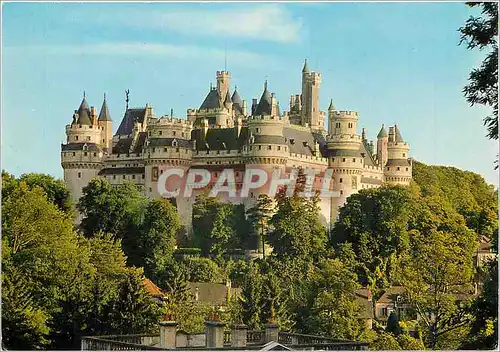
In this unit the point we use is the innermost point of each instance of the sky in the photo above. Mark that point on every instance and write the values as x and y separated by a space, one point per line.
391 62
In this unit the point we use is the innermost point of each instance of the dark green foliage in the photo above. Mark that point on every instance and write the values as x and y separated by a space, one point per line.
259 216
296 229
218 227
201 270
108 209
393 324
481 33
484 328
408 342
56 285
374 224
385 342
134 311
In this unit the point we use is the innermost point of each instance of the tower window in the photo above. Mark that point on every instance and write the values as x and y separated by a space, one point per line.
88 138
143 177
133 176
153 150
388 169
103 140
398 168
76 138
260 147
341 192
74 154
343 159
79 175
340 180
279 148
164 149
95 154
123 177
177 150
269 147
173 133
349 124
404 155
353 160
160 133
406 169
85 154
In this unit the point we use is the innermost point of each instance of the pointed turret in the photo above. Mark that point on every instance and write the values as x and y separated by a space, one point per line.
84 112
305 69
331 107
104 114
382 133
265 103
398 137
236 99
227 101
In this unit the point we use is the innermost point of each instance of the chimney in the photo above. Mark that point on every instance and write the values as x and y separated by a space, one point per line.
254 105
93 115
244 107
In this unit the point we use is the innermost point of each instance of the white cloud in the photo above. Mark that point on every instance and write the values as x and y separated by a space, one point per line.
137 49
268 22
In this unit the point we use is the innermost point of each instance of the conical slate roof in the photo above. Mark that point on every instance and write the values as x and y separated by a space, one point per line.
382 133
398 134
236 99
228 98
84 113
212 101
104 114
331 107
305 68
265 103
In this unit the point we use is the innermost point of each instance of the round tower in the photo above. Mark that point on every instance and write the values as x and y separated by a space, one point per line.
266 148
344 157
382 140
398 169
82 155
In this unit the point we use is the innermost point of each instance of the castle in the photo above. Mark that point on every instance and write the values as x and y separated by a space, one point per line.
224 133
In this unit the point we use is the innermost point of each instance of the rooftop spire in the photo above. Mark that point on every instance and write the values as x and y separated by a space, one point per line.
104 114
84 112
331 107
382 133
398 134
305 69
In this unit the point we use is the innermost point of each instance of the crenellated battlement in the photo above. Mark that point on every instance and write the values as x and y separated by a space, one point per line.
345 114
263 118
168 120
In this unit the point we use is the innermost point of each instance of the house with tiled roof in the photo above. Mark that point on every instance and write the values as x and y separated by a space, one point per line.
225 133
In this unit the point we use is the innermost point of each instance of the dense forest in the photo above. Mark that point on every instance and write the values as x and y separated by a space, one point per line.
60 282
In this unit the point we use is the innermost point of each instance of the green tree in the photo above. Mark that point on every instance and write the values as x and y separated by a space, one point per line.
385 342
108 209
335 312
408 342
134 311
259 216
484 328
56 191
251 298
156 241
296 229
201 270
375 223
393 324
437 272
481 33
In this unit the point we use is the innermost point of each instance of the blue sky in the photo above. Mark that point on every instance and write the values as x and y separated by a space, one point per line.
391 62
